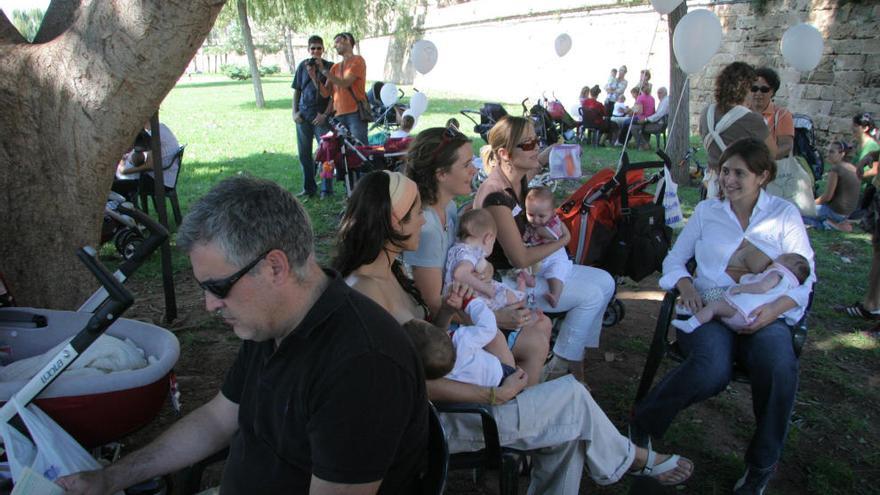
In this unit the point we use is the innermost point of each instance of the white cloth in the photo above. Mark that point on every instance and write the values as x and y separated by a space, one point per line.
619 109
398 134
557 265
169 149
746 303
585 296
712 234
106 354
562 427
662 111
473 364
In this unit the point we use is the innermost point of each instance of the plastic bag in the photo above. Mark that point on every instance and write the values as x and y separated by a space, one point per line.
565 161
53 453
673 216
794 183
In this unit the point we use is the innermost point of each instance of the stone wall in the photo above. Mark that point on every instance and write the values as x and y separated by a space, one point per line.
502 50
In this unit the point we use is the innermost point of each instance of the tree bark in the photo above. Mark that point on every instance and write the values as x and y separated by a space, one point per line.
251 54
289 56
70 108
679 118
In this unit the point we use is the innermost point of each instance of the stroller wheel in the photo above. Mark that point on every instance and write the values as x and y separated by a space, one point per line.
613 313
127 242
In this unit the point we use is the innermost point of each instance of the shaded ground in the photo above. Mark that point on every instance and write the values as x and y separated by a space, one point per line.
825 454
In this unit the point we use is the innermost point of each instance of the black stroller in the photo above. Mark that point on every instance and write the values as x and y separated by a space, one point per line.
387 118
489 115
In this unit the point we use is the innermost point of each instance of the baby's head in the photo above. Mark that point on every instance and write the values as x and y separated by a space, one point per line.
407 123
433 346
613 72
539 206
796 264
477 227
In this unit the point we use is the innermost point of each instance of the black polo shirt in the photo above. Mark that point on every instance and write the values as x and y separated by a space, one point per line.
342 398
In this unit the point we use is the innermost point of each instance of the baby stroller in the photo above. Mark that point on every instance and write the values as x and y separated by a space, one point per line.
489 115
559 116
387 118
125 227
545 127
616 225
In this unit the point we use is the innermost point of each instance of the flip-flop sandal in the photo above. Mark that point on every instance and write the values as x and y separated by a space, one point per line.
856 310
652 470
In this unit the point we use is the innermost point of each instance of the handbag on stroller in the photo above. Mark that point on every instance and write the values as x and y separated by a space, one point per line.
615 224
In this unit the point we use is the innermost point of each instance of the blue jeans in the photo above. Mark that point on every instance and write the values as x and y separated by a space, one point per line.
306 133
358 127
824 212
711 349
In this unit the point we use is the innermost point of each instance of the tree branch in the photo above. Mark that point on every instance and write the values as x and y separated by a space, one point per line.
9 34
58 18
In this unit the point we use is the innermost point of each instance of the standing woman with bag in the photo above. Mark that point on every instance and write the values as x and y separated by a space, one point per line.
346 81
728 120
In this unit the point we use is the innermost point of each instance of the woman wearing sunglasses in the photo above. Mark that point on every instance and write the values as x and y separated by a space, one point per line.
587 291
728 119
779 120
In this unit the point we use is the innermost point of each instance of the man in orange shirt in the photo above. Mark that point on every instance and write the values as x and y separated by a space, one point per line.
778 119
346 81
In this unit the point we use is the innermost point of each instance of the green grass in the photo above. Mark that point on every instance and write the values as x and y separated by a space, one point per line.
833 443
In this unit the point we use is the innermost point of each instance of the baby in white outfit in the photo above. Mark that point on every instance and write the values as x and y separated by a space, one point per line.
754 290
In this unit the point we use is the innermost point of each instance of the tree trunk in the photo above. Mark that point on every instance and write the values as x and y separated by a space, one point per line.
70 108
288 49
679 135
251 55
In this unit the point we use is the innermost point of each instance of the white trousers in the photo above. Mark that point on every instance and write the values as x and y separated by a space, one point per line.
563 429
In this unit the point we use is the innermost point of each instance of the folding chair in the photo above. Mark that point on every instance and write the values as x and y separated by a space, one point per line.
589 127
170 192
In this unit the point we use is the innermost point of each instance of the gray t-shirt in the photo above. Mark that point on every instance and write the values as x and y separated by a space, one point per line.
434 241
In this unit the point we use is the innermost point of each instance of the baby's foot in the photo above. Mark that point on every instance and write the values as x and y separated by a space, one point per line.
686 326
551 299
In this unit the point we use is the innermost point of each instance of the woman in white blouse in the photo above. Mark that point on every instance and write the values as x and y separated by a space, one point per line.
729 237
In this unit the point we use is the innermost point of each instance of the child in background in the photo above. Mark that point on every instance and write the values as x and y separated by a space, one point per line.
543 227
754 290
618 115
407 122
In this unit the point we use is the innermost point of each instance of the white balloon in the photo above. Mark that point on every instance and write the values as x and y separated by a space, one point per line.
696 39
665 6
388 94
802 46
418 103
562 44
424 56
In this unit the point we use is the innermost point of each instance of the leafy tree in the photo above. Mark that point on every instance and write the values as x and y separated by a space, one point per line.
70 108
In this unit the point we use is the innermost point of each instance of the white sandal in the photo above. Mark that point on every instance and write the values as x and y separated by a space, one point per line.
653 470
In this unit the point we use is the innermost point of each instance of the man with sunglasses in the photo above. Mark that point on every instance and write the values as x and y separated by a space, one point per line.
310 111
326 395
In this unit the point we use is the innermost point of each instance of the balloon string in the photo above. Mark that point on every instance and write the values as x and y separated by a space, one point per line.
632 119
684 89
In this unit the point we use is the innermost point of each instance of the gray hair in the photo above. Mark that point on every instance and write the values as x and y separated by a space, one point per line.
246 216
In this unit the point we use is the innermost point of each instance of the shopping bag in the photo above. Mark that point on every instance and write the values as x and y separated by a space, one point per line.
794 184
54 454
673 216
565 161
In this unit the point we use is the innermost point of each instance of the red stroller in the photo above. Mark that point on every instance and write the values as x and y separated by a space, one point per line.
616 225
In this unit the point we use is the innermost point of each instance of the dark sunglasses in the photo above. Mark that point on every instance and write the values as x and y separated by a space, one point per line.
220 288
449 134
528 145
763 89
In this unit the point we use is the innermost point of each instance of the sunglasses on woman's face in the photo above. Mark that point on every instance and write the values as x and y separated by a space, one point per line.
220 288
763 89
528 145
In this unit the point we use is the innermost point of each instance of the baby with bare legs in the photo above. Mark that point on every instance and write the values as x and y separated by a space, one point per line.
735 309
